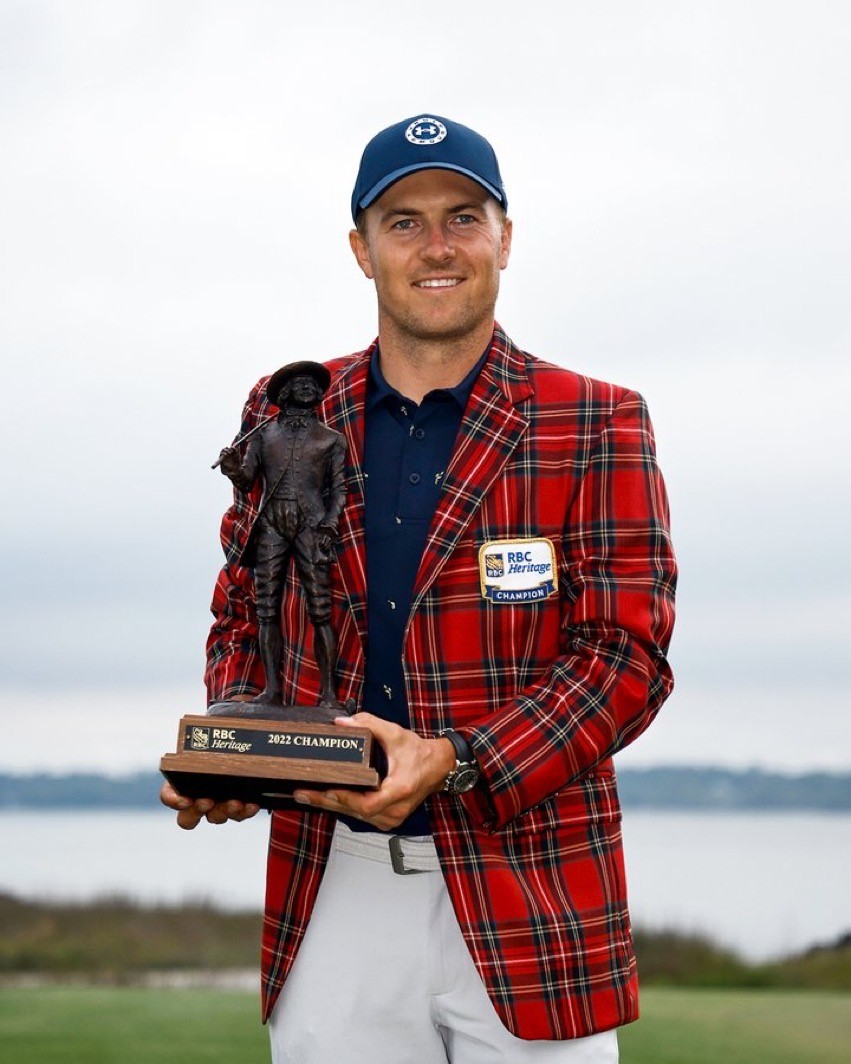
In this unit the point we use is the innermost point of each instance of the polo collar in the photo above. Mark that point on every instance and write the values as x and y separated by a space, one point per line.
379 391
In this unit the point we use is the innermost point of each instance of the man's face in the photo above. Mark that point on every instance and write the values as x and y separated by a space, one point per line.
434 243
303 390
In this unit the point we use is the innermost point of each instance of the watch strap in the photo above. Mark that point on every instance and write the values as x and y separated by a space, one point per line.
463 750
465 774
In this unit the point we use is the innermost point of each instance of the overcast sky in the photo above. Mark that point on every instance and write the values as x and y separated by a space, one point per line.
174 194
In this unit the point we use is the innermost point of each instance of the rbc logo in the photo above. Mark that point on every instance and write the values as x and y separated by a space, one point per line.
425 131
494 565
200 739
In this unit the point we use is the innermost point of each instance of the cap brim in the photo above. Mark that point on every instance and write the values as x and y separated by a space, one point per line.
372 195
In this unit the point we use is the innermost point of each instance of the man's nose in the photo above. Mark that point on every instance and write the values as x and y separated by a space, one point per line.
438 246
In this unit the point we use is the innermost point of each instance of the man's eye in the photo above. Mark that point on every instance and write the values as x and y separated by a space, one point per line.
404 223
465 219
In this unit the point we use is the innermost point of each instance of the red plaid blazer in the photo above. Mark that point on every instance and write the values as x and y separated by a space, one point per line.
545 691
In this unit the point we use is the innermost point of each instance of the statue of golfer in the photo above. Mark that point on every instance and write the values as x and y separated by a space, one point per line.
302 463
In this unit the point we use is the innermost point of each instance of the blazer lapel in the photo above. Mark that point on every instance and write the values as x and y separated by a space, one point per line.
490 431
342 410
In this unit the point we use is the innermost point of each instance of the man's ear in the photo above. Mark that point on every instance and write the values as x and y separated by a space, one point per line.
360 249
505 243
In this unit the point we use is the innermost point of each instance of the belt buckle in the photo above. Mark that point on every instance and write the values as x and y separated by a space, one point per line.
397 858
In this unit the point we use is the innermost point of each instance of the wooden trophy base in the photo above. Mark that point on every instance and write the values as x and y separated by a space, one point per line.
261 760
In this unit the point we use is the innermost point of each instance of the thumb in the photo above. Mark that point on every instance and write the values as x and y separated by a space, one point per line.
383 730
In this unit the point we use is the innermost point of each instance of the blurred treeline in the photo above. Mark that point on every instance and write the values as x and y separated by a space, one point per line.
116 941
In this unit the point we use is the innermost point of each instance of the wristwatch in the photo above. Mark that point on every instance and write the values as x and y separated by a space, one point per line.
465 775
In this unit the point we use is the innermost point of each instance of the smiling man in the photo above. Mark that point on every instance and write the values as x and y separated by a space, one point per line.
503 599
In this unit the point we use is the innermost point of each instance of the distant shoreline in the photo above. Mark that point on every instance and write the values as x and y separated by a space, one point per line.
675 788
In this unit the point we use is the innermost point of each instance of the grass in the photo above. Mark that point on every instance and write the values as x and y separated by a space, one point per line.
739 1027
130 1026
135 1026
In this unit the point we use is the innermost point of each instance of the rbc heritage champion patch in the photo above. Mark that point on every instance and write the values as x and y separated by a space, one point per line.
518 570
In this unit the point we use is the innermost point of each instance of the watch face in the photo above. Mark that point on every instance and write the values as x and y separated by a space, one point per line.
463 779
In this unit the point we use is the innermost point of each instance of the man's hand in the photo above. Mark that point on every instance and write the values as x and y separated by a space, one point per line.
190 812
416 768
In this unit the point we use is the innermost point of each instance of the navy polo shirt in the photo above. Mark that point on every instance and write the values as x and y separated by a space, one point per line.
407 448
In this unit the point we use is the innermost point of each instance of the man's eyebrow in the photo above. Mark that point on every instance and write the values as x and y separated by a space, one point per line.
400 212
408 212
469 206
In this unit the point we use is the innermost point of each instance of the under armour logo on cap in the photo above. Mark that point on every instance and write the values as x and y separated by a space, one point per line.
425 131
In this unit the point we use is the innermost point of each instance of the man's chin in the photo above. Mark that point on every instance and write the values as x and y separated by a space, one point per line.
446 330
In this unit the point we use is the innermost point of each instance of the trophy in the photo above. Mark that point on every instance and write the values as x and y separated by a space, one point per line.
260 750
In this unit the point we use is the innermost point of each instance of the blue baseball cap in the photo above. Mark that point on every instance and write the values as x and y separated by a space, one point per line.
424 143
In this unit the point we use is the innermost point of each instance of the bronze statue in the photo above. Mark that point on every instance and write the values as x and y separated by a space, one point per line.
302 465
258 751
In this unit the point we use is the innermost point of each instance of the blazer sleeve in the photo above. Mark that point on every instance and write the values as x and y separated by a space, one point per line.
233 657
618 580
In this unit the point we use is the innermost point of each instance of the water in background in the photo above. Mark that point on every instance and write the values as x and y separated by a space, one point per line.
767 885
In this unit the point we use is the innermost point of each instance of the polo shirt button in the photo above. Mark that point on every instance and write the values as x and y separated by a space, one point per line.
419 434
415 478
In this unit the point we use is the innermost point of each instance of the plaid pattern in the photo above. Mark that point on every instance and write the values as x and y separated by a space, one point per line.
546 692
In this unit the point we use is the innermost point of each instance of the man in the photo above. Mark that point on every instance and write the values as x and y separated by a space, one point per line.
302 464
504 572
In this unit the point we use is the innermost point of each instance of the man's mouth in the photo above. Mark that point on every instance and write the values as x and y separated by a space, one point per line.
438 282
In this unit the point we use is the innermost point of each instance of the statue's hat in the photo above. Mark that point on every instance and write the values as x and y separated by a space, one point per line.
280 377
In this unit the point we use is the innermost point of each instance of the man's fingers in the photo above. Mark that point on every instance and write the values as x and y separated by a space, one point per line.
381 810
222 812
190 813
384 730
171 799
188 820
245 812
